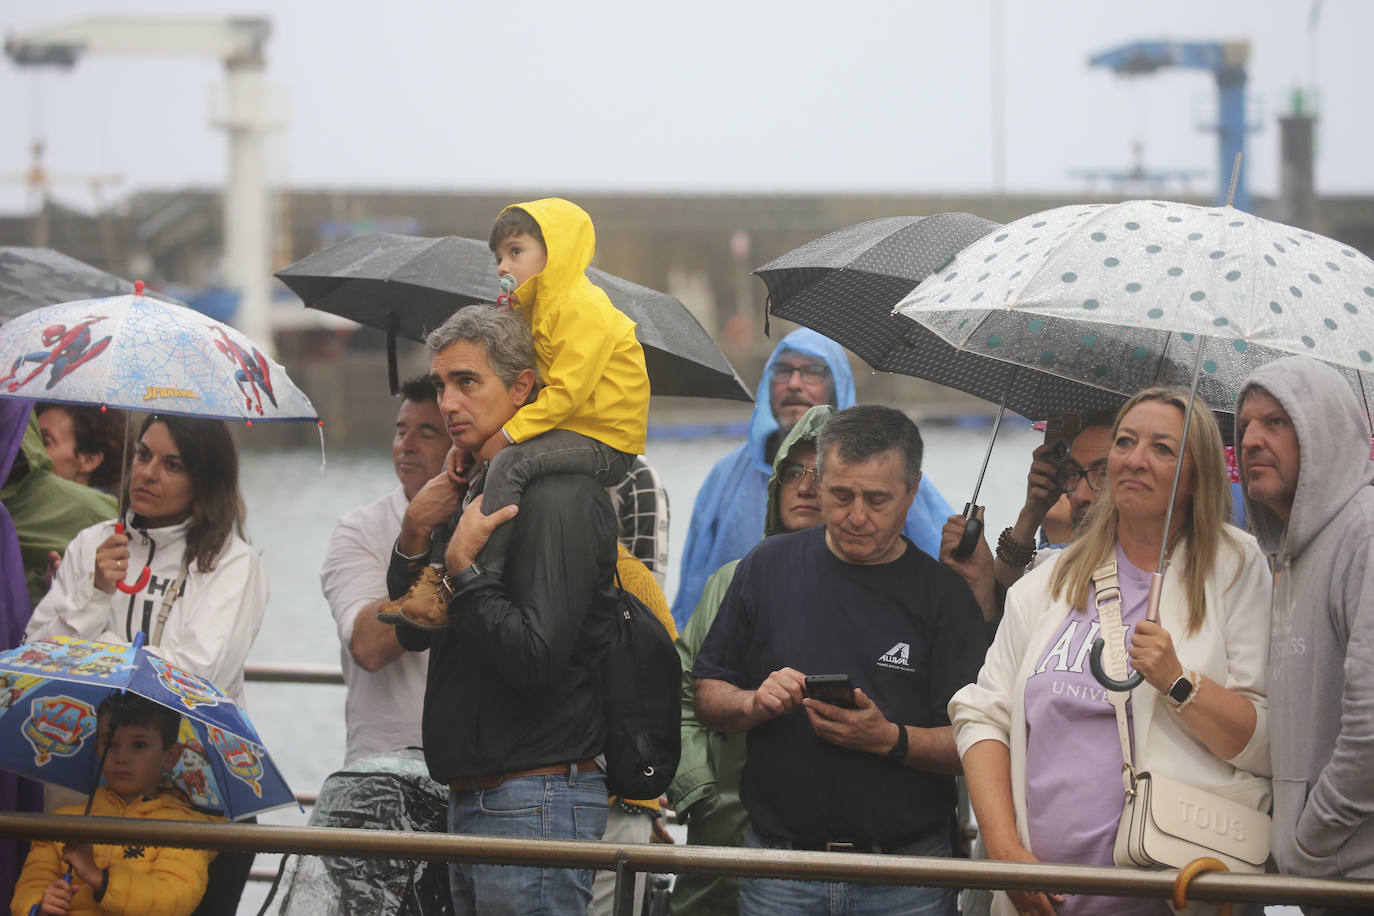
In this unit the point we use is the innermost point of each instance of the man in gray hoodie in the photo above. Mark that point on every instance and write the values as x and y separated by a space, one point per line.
1309 490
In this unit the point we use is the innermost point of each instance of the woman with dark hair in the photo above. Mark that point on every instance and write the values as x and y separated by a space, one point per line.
85 444
203 602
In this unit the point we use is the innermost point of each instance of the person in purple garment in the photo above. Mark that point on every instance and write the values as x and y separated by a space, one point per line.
16 794
1038 735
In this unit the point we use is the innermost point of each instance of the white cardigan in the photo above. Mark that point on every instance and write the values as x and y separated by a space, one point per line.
211 626
1231 648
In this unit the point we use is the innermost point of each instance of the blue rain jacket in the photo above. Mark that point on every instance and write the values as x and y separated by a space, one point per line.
727 518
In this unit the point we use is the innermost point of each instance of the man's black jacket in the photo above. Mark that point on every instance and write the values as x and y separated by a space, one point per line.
508 686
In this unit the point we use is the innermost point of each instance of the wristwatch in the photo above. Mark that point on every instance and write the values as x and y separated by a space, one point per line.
456 582
1183 690
898 751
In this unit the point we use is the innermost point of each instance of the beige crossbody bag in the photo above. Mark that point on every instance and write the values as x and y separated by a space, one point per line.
1166 823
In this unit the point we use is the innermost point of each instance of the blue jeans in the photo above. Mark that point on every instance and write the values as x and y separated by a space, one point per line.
768 896
563 807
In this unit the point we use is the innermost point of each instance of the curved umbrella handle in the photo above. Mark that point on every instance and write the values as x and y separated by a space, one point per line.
1133 680
973 533
143 577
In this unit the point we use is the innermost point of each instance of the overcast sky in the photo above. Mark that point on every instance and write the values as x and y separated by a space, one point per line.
713 95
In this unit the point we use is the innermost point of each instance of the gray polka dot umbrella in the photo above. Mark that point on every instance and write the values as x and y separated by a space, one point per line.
1040 289
1120 295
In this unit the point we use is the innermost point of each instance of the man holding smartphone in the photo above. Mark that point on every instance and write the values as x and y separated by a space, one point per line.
852 597
1078 477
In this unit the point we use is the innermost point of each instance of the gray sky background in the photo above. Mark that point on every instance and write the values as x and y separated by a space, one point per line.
745 95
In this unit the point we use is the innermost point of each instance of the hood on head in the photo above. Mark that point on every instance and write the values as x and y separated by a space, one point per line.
31 452
808 429
807 342
1333 448
16 423
570 241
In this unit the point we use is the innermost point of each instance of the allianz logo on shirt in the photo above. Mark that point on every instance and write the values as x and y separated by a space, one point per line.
898 657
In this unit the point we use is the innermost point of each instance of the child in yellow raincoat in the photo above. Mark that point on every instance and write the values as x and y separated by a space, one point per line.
590 417
147 880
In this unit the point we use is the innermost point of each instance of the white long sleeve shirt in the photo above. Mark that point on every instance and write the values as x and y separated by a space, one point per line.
211 624
383 708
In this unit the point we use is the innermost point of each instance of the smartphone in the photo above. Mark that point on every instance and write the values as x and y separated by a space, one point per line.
1060 428
835 689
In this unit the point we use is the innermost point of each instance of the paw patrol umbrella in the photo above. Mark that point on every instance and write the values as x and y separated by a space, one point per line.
51 688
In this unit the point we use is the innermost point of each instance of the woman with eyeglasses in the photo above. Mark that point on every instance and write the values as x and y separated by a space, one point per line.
1036 733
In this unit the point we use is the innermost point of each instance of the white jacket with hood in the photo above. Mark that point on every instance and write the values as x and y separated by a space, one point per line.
1321 674
210 625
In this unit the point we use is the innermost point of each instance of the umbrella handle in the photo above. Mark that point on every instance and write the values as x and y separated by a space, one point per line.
1134 680
973 533
37 908
138 586
143 577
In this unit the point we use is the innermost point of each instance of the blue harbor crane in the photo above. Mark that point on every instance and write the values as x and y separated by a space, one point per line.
1226 60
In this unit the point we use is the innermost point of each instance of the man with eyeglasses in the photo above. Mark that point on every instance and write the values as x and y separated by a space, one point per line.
804 370
1021 546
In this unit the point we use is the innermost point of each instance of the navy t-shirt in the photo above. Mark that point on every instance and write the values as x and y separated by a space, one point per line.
908 633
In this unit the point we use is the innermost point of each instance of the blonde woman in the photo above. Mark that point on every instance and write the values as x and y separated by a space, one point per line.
1037 734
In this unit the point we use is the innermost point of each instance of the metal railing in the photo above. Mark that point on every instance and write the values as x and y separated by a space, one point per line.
292 674
626 860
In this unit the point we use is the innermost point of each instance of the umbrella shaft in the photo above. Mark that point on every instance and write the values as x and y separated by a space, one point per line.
1182 451
996 425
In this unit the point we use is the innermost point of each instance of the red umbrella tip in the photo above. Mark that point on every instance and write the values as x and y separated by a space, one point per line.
138 287
103 408
250 423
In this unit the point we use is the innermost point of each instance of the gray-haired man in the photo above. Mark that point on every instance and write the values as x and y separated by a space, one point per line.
512 721
852 597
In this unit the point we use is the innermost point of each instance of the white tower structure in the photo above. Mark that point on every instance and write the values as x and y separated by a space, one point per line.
239 43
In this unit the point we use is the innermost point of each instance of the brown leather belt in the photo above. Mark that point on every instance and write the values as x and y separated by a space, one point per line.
490 782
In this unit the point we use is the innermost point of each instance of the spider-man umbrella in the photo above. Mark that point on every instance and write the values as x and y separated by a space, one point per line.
139 353
51 688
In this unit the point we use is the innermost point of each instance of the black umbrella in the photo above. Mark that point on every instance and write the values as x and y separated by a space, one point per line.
407 286
844 285
32 278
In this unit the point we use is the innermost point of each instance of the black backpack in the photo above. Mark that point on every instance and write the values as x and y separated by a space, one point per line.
641 683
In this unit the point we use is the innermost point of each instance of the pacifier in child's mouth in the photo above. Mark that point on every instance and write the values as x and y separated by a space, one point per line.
508 284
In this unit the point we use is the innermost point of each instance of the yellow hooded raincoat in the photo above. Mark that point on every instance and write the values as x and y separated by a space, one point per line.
591 363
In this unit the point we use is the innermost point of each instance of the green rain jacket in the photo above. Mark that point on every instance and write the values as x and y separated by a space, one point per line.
47 510
706 789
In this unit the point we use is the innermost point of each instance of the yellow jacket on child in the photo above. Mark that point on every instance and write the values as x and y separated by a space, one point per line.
144 880
592 365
